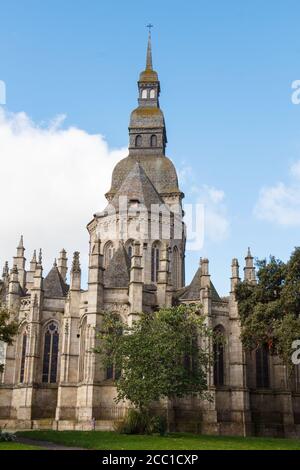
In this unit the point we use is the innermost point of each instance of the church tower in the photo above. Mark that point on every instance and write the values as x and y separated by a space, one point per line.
144 201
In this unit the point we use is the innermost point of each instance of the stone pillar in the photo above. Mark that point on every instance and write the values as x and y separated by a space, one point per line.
136 284
70 345
240 402
89 394
163 277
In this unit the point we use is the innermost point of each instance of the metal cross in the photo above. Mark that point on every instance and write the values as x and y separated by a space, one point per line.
149 26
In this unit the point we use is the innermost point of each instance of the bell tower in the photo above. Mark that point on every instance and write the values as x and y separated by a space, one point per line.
147 130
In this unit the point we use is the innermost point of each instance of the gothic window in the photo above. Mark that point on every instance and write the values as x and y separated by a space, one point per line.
152 93
218 349
51 339
108 253
262 367
23 356
144 93
175 268
153 141
154 262
138 141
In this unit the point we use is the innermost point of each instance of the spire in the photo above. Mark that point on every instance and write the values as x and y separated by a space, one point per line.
149 50
21 243
34 257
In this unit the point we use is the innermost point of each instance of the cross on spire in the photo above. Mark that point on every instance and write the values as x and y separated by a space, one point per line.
149 49
149 26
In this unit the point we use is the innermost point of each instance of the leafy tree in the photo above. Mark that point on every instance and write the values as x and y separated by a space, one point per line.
270 310
163 355
8 328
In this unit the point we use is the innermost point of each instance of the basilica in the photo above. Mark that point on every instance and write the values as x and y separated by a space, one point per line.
52 379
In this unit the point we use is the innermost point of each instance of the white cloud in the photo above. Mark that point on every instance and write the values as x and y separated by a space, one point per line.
280 203
52 181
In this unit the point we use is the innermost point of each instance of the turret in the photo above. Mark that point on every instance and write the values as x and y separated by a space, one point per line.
235 276
63 264
249 269
19 262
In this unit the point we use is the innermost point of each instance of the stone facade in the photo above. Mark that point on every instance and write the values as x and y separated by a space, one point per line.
53 379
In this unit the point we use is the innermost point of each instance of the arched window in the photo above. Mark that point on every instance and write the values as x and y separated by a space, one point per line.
155 262
175 268
262 367
218 349
153 141
50 358
152 93
138 141
23 356
145 93
108 253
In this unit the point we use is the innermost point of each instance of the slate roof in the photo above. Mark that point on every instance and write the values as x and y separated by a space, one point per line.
137 187
159 169
117 273
54 285
192 292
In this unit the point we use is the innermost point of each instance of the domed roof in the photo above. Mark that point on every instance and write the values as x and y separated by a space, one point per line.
160 171
148 76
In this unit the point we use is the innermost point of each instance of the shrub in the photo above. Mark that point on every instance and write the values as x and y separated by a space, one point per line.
6 436
137 422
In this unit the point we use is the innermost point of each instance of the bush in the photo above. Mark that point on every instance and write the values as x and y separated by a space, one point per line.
137 422
6 436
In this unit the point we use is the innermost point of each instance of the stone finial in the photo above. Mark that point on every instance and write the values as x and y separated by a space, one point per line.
14 269
40 257
76 263
5 271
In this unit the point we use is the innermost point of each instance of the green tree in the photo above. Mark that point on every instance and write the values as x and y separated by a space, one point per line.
163 355
8 328
270 310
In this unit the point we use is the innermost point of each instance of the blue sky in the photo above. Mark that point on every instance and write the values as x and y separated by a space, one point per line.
226 70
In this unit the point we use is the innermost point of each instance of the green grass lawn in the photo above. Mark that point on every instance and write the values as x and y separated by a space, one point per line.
113 441
17 446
